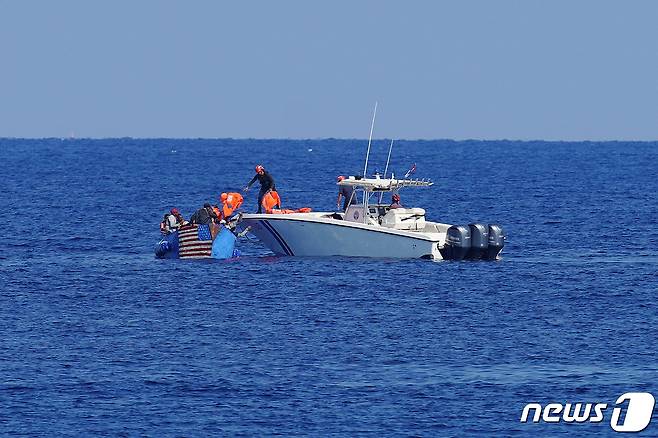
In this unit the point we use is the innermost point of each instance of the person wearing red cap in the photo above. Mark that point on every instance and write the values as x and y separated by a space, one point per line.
395 202
345 192
266 184
172 221
179 217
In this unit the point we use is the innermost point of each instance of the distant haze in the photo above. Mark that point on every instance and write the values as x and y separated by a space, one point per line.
571 70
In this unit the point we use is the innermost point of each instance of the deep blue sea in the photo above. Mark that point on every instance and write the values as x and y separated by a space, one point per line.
98 337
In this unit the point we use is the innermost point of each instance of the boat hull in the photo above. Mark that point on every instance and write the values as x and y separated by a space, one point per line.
299 235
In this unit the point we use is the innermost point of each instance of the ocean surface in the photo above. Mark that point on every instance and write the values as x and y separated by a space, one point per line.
98 337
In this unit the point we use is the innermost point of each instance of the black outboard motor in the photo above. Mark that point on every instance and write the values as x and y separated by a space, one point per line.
496 241
479 241
458 243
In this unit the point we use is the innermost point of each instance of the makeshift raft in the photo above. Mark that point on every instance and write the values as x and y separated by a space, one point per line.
195 241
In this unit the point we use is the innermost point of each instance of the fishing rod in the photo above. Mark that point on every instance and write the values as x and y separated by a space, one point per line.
390 148
372 126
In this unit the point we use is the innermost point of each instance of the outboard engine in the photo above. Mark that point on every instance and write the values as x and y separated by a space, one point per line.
479 241
458 243
496 241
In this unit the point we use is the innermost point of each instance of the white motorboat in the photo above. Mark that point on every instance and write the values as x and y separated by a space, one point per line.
368 229
374 230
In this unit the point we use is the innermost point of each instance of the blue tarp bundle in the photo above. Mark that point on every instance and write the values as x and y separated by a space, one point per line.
223 246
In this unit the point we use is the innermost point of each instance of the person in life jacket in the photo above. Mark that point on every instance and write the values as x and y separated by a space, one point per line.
230 202
266 184
164 226
270 200
172 221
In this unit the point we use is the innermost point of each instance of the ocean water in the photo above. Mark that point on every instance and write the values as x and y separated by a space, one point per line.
100 338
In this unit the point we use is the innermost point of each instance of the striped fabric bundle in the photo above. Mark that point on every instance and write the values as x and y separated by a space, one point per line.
194 241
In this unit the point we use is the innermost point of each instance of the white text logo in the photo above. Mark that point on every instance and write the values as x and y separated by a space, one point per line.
637 414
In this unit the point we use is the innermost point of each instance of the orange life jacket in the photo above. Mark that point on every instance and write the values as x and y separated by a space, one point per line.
233 202
288 211
270 200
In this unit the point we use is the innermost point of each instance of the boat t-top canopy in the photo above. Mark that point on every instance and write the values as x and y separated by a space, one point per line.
383 184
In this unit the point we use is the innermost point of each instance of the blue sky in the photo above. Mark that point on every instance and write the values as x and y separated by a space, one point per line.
524 69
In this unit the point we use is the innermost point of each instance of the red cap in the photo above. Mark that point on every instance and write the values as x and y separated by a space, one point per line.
260 168
174 211
340 178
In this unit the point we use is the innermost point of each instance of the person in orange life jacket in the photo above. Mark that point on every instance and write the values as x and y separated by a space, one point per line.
204 216
266 184
230 202
172 221
396 202
346 193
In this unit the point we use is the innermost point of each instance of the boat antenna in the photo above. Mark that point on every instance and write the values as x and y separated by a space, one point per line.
372 126
390 148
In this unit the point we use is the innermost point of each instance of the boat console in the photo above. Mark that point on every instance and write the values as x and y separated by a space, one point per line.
398 218
355 213
404 219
